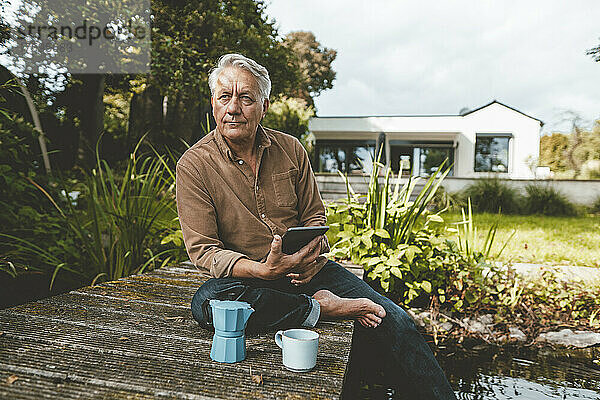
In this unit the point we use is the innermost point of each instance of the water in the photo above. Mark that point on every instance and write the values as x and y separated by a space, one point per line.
487 373
481 372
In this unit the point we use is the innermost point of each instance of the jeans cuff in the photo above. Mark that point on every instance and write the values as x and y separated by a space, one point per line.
314 314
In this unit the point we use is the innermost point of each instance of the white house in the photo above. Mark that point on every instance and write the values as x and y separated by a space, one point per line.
492 138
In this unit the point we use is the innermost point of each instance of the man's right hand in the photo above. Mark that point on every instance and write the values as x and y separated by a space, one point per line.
279 264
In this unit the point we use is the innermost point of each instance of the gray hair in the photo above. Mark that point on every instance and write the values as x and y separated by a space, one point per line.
237 60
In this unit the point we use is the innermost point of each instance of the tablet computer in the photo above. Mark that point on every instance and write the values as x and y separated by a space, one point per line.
298 237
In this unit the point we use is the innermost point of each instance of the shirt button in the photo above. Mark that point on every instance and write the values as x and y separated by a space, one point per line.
262 216
241 162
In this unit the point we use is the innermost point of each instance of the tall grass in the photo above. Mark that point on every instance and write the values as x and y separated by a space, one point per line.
385 233
467 238
389 207
119 230
492 195
545 200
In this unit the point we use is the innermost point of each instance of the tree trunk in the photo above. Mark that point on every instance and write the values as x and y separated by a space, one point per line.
24 105
183 117
38 126
87 104
145 116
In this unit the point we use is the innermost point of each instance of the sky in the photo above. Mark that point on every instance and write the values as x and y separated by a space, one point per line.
437 57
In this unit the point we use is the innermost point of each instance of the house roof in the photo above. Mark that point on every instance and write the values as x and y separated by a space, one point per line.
434 115
502 104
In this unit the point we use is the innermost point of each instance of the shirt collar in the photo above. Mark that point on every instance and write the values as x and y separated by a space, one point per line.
261 136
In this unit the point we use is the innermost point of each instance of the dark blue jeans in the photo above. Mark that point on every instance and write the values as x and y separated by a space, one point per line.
281 305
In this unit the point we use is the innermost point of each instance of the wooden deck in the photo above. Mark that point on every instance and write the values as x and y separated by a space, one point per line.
136 338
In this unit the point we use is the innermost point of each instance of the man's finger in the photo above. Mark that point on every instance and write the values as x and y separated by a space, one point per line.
310 247
309 273
309 252
276 244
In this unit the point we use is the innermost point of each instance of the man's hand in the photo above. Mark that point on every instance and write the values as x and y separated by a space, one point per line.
301 276
302 262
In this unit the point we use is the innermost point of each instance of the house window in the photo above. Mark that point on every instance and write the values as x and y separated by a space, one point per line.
349 157
491 153
431 158
420 158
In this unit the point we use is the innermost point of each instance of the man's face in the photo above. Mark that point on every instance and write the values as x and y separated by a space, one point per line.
237 107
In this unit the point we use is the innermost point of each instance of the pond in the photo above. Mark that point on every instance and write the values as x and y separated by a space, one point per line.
485 372
482 372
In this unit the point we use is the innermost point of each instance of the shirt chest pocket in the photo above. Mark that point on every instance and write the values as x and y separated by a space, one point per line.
285 188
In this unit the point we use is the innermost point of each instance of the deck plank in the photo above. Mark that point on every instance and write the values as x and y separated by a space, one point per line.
136 338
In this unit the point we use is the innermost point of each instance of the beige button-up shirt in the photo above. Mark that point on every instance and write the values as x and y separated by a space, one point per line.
227 213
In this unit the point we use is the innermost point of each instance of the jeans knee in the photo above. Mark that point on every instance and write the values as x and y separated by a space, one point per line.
204 293
215 288
401 320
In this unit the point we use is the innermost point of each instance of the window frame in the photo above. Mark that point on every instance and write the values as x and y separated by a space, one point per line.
347 146
489 135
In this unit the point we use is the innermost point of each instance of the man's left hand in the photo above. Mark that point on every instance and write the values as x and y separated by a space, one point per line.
305 275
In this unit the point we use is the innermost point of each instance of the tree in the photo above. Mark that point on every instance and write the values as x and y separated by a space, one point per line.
289 115
188 38
314 64
595 53
575 154
553 150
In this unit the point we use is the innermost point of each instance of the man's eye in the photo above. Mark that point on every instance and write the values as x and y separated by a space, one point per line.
247 99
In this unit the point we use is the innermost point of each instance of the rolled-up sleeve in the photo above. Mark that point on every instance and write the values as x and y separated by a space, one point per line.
198 220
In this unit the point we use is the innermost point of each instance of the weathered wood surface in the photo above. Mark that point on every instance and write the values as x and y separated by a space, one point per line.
136 338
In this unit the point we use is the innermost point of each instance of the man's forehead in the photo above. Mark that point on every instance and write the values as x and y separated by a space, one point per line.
240 77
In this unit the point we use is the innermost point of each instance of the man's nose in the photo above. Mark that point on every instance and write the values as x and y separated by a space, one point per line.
233 107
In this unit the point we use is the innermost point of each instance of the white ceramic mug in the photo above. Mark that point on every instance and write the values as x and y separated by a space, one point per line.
299 349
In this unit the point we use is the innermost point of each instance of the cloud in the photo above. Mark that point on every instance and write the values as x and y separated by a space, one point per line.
431 57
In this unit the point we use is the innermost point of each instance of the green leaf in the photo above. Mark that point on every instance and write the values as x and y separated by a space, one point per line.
393 262
426 285
410 253
373 261
367 241
396 272
345 234
435 218
382 233
385 285
412 294
379 268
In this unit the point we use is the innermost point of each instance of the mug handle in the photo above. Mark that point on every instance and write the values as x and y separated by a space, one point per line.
278 337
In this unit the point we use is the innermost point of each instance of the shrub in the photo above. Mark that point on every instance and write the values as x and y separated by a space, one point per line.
492 195
596 206
26 212
545 200
115 224
401 245
446 201
590 169
396 240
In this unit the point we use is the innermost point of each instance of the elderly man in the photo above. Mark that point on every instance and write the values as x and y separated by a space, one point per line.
238 190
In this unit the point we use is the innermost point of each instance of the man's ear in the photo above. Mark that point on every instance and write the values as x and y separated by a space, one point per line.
265 107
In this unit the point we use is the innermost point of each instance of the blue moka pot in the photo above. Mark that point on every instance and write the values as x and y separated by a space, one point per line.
229 319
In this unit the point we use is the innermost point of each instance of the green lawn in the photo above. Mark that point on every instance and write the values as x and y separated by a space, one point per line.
541 239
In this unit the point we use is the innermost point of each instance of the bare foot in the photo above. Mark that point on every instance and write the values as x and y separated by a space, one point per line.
365 311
